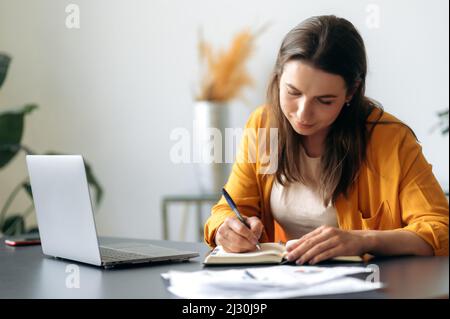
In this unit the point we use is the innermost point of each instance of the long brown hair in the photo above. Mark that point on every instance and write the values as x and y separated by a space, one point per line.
333 45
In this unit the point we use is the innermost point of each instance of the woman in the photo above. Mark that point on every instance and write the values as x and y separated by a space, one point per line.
349 178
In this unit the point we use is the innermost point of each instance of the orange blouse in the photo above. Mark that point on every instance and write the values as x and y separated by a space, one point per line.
395 189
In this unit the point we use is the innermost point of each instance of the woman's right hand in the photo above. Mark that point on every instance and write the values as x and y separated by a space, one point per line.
235 237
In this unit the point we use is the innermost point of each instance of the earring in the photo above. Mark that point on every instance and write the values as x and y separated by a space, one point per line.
347 103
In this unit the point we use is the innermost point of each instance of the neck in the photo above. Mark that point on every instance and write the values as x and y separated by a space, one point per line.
315 144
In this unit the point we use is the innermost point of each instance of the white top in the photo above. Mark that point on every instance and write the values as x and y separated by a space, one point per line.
299 208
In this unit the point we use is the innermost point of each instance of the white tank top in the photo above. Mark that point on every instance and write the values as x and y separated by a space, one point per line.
299 208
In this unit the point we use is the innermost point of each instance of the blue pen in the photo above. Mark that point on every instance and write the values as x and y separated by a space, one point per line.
235 210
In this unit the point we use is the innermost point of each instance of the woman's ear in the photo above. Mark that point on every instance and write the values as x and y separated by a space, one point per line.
353 90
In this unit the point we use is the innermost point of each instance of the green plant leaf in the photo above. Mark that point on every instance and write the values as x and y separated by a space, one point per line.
4 64
92 180
27 187
13 225
33 231
443 113
11 131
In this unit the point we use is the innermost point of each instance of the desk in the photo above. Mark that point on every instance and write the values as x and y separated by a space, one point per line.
25 273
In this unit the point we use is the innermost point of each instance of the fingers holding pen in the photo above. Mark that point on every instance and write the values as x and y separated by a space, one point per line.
229 236
255 225
240 228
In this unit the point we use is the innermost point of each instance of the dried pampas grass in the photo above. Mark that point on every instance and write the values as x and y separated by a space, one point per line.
224 74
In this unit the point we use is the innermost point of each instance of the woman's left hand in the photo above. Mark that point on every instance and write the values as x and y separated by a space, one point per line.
323 243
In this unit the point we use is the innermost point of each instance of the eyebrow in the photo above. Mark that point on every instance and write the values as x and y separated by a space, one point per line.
320 96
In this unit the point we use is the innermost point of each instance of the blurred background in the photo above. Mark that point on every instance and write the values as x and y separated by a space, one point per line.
115 88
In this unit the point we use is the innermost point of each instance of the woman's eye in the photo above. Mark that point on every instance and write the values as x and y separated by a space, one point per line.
294 93
325 102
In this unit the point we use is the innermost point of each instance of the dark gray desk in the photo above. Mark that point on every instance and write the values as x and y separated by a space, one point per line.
26 273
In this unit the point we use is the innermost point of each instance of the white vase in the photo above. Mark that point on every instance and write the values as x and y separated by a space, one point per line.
210 121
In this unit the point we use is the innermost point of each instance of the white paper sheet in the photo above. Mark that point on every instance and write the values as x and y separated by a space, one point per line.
268 282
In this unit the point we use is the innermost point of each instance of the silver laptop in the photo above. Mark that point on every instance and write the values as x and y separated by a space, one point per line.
66 221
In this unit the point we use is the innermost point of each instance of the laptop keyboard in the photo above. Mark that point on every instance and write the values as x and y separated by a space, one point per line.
130 251
109 255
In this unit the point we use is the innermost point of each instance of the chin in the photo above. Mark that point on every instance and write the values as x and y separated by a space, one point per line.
304 130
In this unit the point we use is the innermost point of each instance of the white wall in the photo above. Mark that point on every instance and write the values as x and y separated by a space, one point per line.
115 88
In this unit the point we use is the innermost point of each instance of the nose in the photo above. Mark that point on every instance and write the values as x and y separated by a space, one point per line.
304 110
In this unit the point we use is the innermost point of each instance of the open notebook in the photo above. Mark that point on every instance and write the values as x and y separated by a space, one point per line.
270 253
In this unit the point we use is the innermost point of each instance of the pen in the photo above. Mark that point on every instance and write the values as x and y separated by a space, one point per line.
235 210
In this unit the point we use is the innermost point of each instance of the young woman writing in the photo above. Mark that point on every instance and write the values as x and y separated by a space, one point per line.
349 178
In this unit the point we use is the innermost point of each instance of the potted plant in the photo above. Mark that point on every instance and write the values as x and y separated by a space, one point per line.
442 125
223 77
11 132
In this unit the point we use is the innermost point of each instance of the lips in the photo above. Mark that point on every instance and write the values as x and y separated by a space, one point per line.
303 126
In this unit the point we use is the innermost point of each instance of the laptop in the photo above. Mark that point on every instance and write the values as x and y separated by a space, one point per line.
66 221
